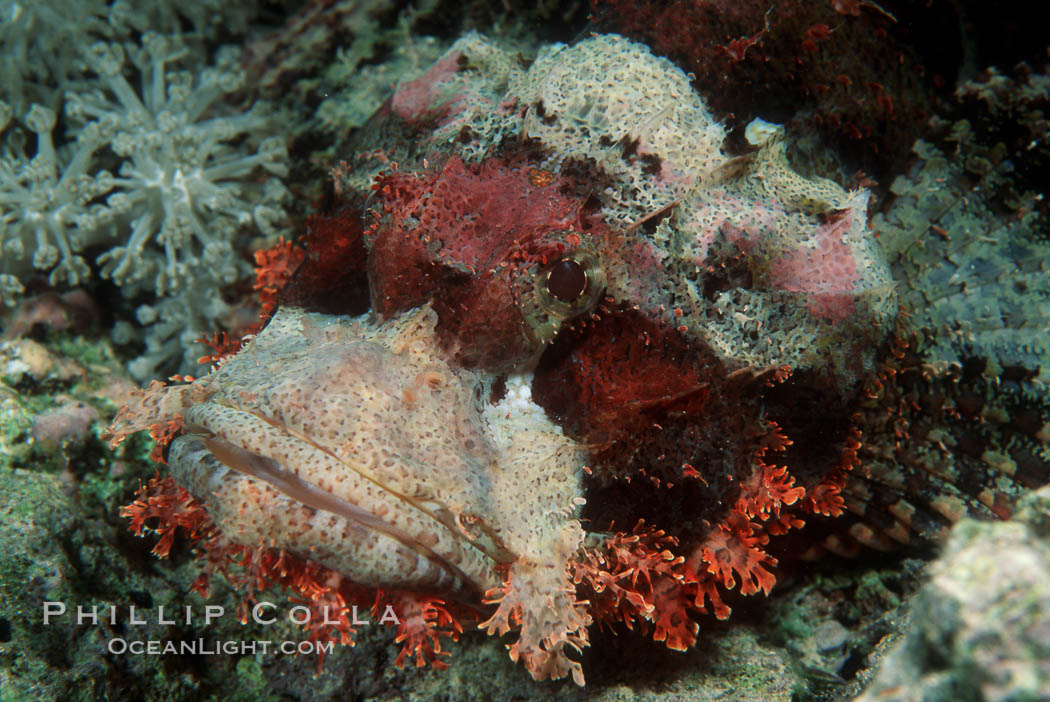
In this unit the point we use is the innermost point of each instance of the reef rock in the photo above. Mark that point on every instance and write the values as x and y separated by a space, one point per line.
980 628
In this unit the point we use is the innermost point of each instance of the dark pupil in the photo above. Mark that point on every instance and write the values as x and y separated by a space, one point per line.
567 280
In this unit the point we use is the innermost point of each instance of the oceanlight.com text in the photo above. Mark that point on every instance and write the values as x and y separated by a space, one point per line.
201 647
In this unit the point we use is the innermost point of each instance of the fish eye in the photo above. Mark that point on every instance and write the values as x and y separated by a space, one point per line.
563 289
567 280
571 285
566 287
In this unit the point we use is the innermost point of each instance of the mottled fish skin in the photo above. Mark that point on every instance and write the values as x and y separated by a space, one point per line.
365 451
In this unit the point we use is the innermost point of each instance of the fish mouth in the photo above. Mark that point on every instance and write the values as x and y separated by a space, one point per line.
453 554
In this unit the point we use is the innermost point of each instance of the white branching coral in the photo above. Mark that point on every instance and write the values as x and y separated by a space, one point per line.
158 167
176 324
39 40
45 216
182 190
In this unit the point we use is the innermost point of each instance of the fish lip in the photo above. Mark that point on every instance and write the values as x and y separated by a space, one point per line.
257 466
